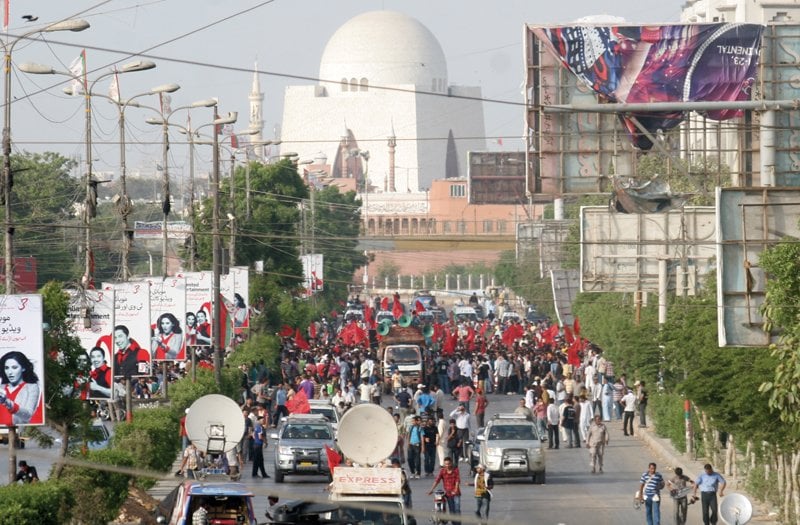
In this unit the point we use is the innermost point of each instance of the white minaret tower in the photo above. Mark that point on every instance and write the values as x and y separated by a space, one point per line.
256 115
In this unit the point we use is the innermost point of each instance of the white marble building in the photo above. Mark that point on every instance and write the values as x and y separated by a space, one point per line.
384 89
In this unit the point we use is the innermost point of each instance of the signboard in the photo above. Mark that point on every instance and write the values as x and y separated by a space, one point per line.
313 272
496 177
131 329
22 360
199 290
621 253
167 310
239 310
749 221
358 480
92 315
179 230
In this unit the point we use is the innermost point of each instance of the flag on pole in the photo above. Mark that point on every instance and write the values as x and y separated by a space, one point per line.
78 70
113 89
6 14
165 101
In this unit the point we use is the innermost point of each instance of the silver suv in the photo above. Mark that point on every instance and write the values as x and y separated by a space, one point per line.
511 447
301 440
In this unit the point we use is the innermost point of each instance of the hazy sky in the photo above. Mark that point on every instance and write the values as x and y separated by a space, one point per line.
209 48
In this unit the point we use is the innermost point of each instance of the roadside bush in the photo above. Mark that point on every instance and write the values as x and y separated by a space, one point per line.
666 410
98 494
44 503
151 439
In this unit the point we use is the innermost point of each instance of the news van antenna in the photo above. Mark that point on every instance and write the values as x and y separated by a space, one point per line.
215 424
367 434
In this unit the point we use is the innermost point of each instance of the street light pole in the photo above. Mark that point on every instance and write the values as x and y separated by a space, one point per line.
216 246
8 180
91 185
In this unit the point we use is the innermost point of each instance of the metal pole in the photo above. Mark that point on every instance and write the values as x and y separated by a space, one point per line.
165 204
9 237
88 277
217 328
192 248
232 242
124 207
247 190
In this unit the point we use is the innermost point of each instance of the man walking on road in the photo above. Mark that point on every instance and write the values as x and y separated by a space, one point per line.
650 487
628 403
708 482
553 418
259 439
596 440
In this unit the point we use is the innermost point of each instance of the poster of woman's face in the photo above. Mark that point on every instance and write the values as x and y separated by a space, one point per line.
21 360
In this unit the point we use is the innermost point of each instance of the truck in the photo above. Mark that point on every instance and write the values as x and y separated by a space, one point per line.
403 346
368 495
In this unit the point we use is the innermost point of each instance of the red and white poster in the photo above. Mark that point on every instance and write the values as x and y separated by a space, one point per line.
198 325
21 360
167 310
92 316
239 310
131 329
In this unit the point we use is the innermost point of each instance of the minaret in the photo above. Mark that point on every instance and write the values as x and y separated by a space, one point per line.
256 116
392 147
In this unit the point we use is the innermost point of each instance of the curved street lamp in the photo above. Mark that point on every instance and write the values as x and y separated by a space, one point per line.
88 92
165 202
8 180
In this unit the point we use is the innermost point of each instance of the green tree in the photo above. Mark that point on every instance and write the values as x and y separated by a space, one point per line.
781 311
42 202
66 414
335 236
270 234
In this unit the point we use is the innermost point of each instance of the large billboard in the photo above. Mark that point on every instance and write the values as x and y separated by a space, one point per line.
21 360
496 177
91 313
131 329
621 252
167 311
576 151
313 272
750 220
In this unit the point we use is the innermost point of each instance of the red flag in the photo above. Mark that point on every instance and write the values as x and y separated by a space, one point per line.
397 309
385 303
572 353
368 316
299 341
419 307
576 325
298 404
484 326
568 337
334 458
471 338
286 331
312 330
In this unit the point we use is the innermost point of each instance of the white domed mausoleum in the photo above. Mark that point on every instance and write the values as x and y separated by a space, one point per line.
384 89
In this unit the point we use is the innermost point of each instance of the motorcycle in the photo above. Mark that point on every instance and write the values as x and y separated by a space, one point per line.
439 507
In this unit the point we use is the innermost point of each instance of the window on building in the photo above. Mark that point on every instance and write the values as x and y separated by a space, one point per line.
501 226
364 84
353 84
345 84
487 226
458 190
462 226
446 226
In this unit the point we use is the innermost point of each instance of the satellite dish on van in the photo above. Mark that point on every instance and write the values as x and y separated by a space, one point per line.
735 509
367 434
215 424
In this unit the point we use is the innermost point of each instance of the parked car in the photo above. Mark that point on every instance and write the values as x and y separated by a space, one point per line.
533 316
227 503
300 446
511 447
325 409
99 437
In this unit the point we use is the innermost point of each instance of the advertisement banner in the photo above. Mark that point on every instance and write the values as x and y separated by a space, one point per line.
667 63
313 274
21 360
131 329
92 316
198 325
240 311
167 309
